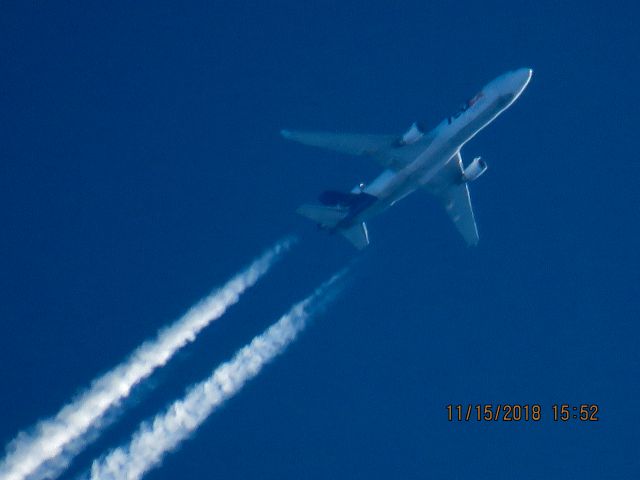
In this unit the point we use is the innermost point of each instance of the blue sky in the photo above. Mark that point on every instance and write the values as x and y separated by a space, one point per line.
142 166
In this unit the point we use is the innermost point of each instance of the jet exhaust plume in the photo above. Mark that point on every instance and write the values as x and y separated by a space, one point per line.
48 448
168 429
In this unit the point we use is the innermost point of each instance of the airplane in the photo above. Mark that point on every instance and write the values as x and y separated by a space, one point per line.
414 160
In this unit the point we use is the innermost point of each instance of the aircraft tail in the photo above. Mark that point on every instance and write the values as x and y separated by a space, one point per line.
324 216
329 217
357 235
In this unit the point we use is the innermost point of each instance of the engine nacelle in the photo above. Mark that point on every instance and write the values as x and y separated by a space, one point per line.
412 135
476 168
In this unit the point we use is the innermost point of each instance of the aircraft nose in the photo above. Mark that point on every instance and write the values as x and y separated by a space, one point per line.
519 79
511 84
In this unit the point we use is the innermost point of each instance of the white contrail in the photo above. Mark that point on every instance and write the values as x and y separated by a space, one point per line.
153 440
45 451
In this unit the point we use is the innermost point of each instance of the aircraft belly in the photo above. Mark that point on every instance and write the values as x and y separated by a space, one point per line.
395 189
415 160
381 184
484 118
390 187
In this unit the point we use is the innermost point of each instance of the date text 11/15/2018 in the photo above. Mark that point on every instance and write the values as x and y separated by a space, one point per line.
585 412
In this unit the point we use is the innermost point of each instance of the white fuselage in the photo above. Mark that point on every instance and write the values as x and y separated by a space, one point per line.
437 147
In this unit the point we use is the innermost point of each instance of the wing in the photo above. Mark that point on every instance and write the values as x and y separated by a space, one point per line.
385 149
454 195
351 143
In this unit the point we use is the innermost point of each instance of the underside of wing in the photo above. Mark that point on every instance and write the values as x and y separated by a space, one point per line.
351 143
453 193
458 205
388 151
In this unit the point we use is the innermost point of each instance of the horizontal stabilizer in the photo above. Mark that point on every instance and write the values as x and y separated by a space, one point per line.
352 201
357 235
334 197
351 143
327 217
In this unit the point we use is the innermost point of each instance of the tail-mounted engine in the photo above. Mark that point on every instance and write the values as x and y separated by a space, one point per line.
476 168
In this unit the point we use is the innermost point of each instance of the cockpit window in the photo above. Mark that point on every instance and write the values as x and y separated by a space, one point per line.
468 104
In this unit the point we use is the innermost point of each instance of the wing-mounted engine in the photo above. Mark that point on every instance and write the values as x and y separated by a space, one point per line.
476 168
415 133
